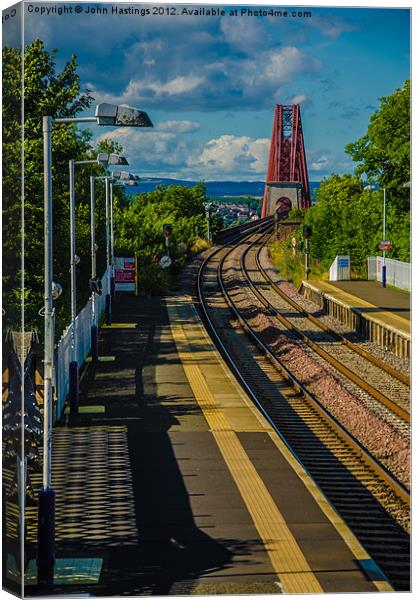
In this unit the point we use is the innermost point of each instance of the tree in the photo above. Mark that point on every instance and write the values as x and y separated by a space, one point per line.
140 224
46 92
384 151
348 219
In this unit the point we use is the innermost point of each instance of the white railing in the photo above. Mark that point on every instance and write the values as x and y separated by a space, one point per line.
398 273
83 329
340 269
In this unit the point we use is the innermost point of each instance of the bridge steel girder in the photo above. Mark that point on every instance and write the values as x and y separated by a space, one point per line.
287 160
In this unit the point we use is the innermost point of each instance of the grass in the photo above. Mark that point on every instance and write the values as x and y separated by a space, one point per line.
292 267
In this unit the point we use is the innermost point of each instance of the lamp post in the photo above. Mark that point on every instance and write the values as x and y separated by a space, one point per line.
103 159
118 179
384 227
207 206
106 114
384 232
124 177
307 232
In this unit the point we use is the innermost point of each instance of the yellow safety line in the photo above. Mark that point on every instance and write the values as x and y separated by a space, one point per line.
344 531
339 524
358 303
120 326
284 553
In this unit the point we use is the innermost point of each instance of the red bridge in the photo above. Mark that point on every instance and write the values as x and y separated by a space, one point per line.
287 179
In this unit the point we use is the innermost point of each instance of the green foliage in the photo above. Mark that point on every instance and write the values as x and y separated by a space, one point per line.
295 214
290 266
139 225
46 92
383 153
348 219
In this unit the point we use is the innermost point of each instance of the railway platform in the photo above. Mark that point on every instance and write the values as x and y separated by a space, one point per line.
379 314
171 481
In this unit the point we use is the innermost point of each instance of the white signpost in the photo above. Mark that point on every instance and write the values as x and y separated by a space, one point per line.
165 261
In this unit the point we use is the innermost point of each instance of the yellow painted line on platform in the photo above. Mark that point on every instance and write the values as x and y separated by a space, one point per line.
284 553
94 409
382 316
120 326
101 359
339 524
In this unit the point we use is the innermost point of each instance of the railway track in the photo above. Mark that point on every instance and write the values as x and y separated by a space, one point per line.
371 501
369 375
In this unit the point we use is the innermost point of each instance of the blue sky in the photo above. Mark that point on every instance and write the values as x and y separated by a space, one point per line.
210 84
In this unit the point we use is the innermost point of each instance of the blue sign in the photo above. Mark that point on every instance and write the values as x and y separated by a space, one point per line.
343 263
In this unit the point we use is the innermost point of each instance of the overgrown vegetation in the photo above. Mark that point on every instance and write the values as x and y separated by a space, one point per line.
292 266
140 231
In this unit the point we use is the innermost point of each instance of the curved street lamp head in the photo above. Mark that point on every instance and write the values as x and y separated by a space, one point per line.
115 159
121 116
125 176
105 159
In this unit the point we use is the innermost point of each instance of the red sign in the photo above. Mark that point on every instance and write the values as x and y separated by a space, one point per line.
129 263
124 276
385 245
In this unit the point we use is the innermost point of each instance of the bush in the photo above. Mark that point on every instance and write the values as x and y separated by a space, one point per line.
199 245
292 267
152 279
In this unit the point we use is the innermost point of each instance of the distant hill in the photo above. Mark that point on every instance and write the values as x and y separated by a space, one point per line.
214 188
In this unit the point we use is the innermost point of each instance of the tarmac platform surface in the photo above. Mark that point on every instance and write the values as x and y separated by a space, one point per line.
174 483
388 307
386 299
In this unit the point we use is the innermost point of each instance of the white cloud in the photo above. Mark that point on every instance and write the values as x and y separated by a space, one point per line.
231 155
323 162
178 126
320 164
244 34
212 84
332 25
165 153
299 99
178 85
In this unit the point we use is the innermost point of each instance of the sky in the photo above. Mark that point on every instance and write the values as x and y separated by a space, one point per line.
210 83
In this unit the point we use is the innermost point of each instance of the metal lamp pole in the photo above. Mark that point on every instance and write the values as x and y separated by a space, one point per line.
46 509
94 330
108 295
73 366
384 231
94 327
122 182
106 114
112 284
207 206
384 226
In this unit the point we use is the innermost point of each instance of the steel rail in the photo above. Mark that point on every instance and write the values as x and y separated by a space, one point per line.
379 396
367 355
362 453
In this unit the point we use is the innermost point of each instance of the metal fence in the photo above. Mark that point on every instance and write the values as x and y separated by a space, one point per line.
83 329
398 273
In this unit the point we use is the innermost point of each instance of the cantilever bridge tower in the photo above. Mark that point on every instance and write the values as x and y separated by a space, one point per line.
286 184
